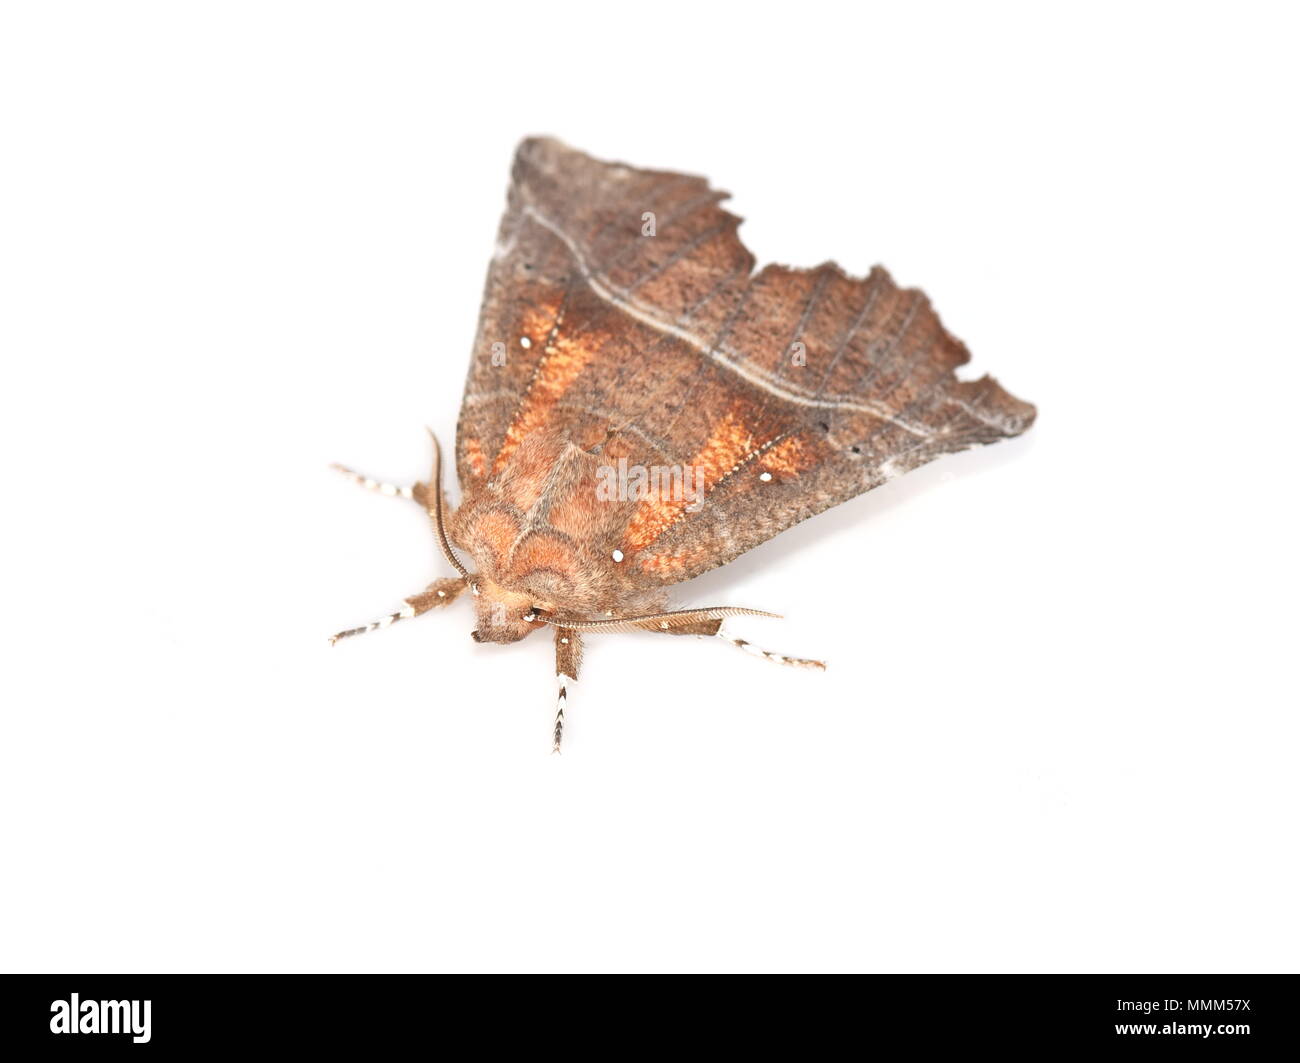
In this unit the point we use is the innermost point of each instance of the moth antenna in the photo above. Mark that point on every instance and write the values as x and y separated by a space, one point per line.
375 625
568 658
767 655
650 621
435 511
392 490
439 592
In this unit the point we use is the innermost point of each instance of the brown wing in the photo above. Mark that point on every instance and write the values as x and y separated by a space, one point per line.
622 309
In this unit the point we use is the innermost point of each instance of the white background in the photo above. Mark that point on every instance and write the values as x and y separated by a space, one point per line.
1058 732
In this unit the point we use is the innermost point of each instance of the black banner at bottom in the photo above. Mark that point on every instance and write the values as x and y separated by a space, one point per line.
1219 1014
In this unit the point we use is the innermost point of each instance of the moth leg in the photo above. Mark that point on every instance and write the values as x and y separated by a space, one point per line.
712 628
439 592
568 658
768 655
415 491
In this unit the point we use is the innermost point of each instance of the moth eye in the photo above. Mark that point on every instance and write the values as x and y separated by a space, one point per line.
617 555
765 476
474 589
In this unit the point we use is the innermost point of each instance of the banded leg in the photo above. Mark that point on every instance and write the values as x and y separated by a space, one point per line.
568 658
439 592
415 492
767 655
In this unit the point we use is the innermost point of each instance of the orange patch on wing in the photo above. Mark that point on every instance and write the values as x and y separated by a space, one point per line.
474 455
538 322
668 564
561 363
787 457
725 448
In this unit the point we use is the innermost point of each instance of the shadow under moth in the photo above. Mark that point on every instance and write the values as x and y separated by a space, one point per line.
642 406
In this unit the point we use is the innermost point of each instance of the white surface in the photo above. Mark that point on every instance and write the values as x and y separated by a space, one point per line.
1058 732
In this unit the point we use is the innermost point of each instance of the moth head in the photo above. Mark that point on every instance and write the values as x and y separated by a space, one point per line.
503 615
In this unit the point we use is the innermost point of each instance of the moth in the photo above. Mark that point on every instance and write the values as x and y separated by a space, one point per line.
643 406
